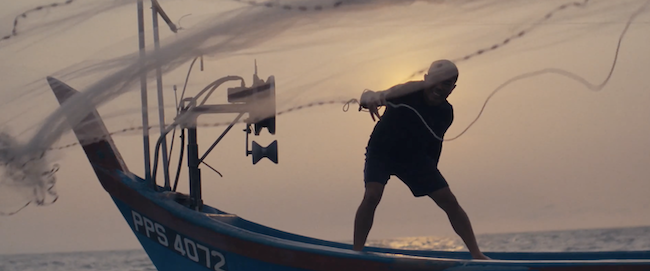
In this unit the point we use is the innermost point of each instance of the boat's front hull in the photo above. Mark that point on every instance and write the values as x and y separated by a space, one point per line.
172 251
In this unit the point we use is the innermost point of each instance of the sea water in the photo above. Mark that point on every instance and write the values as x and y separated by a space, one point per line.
617 239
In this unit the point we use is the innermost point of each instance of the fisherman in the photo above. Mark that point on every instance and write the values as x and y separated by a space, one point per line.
407 142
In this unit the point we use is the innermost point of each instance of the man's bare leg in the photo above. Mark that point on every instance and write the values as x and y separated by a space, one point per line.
459 220
366 213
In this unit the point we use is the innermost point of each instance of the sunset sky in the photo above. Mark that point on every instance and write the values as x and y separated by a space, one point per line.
547 154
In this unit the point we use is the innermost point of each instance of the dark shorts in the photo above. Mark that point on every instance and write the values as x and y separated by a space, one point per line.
419 173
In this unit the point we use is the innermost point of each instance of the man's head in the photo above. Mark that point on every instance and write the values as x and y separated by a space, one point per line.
440 80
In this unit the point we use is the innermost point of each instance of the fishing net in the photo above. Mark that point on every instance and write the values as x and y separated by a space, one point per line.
322 54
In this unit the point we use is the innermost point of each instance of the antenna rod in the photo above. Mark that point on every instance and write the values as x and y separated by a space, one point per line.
143 97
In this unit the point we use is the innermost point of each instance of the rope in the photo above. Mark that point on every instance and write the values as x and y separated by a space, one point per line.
564 73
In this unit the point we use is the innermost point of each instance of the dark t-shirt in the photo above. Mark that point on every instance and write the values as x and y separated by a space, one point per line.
401 134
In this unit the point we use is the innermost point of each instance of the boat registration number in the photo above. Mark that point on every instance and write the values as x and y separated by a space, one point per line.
178 243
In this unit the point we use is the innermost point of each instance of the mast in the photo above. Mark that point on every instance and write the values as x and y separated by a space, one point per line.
143 97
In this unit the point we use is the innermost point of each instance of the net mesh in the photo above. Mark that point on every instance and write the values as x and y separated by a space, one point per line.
323 53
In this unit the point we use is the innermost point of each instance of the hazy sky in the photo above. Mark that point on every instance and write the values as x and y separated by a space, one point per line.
548 154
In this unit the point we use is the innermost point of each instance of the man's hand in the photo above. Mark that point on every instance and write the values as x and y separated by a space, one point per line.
372 101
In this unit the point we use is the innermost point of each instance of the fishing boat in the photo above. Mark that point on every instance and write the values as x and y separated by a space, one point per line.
179 232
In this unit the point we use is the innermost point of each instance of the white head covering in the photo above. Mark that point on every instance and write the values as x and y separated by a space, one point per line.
441 70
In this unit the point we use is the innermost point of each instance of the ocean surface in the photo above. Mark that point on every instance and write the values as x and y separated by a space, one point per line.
617 239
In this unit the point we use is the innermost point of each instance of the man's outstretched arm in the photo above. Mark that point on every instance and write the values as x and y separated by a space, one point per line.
372 100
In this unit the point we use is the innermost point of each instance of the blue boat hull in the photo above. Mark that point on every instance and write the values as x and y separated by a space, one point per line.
184 253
